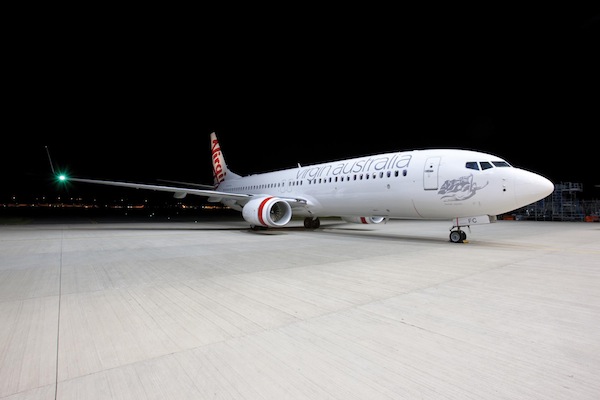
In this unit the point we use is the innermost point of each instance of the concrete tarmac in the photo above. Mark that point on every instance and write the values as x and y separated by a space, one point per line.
213 310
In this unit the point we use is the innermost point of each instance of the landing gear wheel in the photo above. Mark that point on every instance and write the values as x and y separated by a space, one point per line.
311 223
457 236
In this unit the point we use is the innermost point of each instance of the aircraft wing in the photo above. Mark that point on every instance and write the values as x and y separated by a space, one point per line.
198 185
181 192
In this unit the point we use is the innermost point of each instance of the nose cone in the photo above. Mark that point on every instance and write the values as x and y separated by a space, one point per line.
530 187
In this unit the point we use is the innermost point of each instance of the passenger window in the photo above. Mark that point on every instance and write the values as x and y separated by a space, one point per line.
472 165
485 165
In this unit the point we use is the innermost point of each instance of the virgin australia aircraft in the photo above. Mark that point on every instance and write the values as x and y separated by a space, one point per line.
462 186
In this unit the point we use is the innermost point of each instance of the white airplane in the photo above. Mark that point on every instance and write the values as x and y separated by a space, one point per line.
463 186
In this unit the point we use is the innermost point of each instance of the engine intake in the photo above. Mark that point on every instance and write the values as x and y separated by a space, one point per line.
267 211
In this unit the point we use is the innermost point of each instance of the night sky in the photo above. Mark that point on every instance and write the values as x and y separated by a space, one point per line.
136 97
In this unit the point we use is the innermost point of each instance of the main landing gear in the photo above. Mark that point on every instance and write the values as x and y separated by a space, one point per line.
311 223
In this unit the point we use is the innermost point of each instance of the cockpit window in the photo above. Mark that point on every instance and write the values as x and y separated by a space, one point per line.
485 165
472 165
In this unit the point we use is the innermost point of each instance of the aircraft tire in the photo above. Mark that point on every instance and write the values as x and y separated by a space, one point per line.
457 236
311 223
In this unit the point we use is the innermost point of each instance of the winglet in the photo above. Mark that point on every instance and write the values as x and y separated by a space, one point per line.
61 177
50 159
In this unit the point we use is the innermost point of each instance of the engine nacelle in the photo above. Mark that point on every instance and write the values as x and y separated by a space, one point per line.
267 211
364 220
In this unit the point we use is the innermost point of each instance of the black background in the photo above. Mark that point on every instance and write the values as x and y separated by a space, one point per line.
134 94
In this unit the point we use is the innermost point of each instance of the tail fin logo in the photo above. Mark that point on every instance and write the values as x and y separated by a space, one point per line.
218 162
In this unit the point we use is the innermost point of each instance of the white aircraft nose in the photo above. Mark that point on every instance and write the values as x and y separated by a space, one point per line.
530 187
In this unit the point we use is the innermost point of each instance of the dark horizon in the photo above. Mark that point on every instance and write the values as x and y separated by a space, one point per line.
136 106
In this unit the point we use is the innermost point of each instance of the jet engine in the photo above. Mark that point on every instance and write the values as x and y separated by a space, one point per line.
364 220
267 212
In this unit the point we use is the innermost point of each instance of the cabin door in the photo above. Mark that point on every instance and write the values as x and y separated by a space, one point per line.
430 173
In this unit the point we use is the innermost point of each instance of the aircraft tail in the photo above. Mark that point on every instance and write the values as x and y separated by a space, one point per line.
220 170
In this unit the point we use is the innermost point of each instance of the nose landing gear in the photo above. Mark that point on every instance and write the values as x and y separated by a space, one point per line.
457 235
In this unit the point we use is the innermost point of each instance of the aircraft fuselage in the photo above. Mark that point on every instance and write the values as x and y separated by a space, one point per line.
419 184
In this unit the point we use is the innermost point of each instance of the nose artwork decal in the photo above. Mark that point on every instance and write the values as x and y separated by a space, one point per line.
459 189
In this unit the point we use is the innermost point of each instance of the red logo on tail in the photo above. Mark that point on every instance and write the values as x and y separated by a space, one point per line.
218 170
